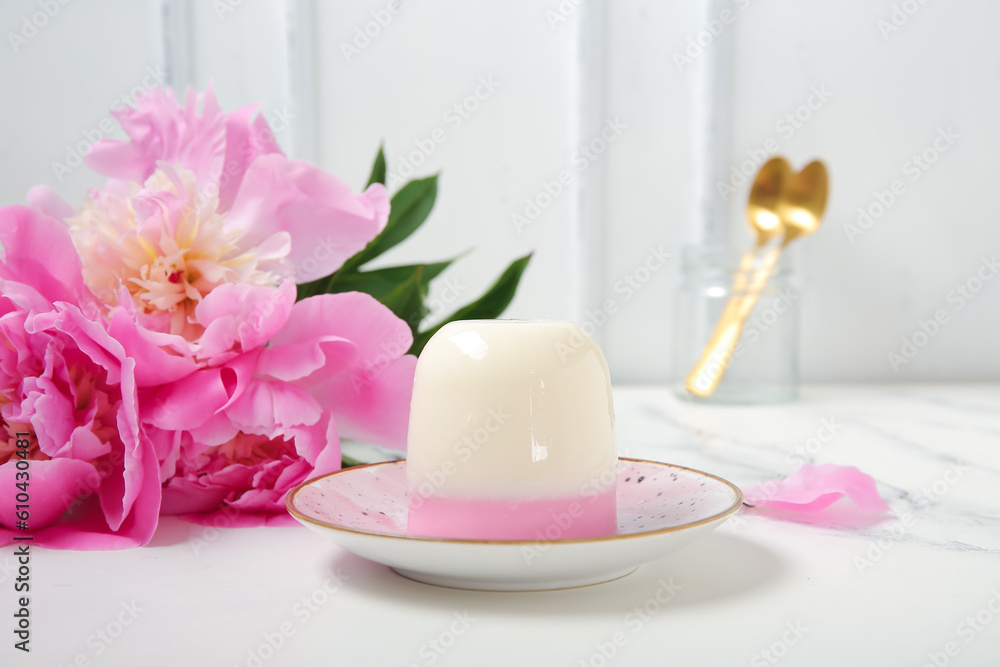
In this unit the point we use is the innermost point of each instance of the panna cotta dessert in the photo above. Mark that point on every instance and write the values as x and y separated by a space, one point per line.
512 434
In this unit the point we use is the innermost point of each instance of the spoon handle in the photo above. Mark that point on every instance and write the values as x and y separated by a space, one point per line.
736 293
718 353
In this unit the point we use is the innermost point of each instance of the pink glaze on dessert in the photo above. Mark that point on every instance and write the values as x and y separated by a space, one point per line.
550 519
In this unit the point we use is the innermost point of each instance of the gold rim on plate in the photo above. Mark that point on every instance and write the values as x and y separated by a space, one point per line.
290 504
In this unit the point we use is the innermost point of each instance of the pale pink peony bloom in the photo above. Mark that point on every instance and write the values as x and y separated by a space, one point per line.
209 200
161 130
169 248
64 380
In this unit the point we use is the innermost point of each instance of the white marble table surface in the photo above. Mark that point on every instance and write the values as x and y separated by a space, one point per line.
755 592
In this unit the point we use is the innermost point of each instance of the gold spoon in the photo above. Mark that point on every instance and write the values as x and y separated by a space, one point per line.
797 211
765 223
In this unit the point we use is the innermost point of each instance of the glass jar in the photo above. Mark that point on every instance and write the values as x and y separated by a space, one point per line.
763 366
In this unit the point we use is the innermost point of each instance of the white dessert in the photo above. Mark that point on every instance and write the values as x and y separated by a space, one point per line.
512 431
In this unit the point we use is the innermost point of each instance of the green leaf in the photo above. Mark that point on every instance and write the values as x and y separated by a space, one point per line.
378 169
306 290
319 286
349 462
406 300
490 305
381 282
410 208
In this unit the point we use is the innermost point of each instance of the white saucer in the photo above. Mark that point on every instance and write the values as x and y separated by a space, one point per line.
661 508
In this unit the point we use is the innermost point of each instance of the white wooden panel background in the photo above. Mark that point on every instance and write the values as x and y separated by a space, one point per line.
559 82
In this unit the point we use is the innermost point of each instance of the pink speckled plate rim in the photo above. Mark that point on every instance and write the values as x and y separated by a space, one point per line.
737 502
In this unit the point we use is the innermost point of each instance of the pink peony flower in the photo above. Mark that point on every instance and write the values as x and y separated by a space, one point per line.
152 346
68 384
199 201
245 433
216 146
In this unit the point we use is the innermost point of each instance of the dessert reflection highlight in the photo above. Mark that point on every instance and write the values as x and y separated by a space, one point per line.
512 434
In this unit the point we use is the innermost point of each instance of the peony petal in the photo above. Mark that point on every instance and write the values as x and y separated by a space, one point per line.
63 481
93 340
299 360
272 499
85 446
327 221
814 488
191 401
119 490
160 130
43 199
268 407
245 142
370 399
86 529
375 407
183 496
216 431
38 251
353 316
328 459
51 415
166 448
120 159
161 358
242 315
82 529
